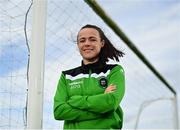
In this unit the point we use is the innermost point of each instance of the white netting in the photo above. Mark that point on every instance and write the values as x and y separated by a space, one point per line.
13 63
146 97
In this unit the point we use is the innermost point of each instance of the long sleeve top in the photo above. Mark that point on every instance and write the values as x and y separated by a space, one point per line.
80 99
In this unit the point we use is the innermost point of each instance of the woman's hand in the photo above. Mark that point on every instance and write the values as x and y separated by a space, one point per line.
110 88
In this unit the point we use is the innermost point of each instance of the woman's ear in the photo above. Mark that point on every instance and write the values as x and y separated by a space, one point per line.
102 43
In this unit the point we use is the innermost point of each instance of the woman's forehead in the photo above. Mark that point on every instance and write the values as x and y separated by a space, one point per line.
87 32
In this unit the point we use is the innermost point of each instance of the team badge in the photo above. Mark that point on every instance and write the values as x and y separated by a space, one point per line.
103 82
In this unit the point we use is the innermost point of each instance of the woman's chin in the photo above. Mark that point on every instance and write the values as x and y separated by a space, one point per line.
90 59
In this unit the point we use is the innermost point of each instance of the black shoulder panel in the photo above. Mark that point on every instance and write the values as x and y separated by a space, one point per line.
106 68
73 72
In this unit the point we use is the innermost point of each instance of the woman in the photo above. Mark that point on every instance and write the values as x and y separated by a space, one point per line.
88 97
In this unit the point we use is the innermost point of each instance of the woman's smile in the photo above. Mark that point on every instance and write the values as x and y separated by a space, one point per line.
87 50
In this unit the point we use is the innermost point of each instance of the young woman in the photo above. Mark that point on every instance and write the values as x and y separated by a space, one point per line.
88 97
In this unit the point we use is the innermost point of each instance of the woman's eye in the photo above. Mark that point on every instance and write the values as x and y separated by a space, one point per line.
93 39
82 41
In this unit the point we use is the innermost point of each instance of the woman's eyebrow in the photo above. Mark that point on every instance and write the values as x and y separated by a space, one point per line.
81 38
93 37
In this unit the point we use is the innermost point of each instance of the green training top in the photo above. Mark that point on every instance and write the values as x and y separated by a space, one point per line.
80 99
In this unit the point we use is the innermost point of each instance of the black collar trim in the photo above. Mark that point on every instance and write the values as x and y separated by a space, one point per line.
94 66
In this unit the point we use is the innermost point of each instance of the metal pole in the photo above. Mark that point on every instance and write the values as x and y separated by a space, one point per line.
176 114
36 66
145 104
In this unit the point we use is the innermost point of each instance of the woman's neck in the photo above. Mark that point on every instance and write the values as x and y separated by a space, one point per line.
86 62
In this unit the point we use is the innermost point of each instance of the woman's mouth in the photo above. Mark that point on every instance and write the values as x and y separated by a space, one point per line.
87 50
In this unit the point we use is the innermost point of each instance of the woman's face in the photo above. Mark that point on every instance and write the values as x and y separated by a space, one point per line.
89 44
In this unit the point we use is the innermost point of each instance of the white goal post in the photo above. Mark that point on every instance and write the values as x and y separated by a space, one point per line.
36 66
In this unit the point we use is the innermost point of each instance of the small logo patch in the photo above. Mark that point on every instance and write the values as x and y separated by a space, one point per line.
103 82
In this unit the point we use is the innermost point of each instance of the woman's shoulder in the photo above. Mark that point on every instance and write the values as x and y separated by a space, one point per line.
73 71
115 67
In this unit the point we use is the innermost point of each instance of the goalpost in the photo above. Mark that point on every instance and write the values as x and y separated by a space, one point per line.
36 66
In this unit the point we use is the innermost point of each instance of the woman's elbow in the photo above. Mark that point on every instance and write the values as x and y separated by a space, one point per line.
57 114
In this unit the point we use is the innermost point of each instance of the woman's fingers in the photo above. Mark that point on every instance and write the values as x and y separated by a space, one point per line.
110 88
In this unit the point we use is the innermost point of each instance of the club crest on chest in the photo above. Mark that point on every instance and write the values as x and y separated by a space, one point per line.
103 82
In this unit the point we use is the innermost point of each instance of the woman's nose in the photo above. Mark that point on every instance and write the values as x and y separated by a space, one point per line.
87 42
